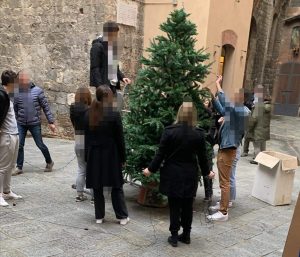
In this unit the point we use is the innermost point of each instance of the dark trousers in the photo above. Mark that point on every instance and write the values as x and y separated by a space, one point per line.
118 203
36 133
181 214
246 145
208 187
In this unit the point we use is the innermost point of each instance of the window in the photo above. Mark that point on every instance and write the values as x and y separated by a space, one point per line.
295 40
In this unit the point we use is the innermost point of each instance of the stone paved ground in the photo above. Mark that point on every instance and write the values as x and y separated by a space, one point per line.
48 222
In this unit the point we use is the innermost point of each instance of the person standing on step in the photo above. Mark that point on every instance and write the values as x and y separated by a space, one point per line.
104 64
9 138
28 104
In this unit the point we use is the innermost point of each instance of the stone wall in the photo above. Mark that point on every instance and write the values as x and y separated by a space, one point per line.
264 43
52 39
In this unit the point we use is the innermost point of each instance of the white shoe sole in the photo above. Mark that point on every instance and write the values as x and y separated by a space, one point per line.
100 221
124 222
220 219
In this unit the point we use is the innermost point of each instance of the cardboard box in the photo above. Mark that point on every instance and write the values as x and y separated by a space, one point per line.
274 177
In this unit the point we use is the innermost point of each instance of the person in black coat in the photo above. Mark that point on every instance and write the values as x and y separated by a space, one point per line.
104 69
182 147
105 154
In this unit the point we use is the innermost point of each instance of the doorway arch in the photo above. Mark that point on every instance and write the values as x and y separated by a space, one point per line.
226 66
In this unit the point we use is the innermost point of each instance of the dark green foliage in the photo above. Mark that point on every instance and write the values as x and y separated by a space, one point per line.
172 71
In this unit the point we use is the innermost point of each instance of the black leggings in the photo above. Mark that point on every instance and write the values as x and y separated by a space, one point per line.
118 202
181 214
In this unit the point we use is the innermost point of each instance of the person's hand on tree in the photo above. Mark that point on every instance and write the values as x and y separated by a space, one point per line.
146 172
52 127
127 81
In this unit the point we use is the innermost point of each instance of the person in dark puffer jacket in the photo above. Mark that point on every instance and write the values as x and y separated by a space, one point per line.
28 104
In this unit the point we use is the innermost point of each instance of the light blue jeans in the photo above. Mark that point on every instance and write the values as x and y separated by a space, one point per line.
81 171
232 174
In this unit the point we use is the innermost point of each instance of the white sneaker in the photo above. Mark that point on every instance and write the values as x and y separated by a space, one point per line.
11 195
218 216
99 221
3 203
217 206
124 221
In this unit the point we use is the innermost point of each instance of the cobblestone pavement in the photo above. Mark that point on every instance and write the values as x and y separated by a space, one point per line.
48 221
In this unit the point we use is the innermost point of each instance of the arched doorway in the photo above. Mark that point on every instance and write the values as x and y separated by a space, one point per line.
227 59
226 66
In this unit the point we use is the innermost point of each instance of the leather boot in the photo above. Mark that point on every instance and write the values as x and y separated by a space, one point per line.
185 237
173 239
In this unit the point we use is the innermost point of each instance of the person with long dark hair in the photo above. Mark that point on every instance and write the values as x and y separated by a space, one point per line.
182 148
83 100
105 154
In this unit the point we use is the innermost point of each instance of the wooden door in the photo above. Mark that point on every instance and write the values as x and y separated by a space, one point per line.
286 96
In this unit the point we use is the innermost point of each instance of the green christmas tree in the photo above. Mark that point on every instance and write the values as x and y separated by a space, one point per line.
172 72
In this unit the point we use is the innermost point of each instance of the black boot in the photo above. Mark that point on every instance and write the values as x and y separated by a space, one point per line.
173 239
185 237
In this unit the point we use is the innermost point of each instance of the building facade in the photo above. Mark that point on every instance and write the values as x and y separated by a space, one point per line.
286 92
223 36
265 40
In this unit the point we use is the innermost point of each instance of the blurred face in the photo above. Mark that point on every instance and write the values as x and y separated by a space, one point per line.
239 98
259 92
111 36
187 106
23 79
187 109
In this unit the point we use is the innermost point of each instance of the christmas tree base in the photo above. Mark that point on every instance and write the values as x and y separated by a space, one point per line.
149 196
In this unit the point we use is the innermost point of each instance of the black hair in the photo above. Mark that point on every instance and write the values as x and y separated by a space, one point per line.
7 77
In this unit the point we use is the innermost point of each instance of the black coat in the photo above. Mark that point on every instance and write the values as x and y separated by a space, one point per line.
77 115
105 152
4 104
99 65
180 146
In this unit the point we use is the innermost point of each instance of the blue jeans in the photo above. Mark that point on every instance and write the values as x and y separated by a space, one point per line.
36 133
232 174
